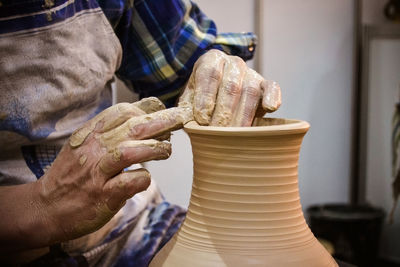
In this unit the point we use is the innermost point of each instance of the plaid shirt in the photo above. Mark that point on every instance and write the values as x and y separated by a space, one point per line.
161 40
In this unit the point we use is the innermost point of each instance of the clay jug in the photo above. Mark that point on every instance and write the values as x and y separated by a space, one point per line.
245 208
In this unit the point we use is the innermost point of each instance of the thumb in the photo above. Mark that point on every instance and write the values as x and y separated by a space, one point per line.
124 186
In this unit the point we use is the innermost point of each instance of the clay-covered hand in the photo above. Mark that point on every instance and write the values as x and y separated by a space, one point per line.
223 91
86 184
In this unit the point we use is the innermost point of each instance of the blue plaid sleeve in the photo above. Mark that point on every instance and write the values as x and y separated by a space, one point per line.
162 40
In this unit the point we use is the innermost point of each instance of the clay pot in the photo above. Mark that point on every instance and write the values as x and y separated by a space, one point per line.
245 208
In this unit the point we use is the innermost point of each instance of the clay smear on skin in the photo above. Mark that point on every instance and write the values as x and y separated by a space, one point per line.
82 160
157 146
225 110
115 116
150 105
203 113
175 118
227 100
252 81
272 96
204 109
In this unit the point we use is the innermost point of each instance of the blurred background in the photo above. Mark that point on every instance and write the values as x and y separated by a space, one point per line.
338 64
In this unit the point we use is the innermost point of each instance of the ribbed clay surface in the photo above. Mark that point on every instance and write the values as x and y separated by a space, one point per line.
245 208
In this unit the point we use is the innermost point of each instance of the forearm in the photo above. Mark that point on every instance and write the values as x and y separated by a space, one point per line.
24 224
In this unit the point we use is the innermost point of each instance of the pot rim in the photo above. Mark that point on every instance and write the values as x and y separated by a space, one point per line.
273 126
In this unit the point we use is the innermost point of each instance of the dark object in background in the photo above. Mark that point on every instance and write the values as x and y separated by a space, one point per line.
392 10
353 230
344 264
395 159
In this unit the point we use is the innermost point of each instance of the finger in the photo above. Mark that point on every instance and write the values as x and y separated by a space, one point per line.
249 100
271 100
124 186
131 152
150 105
108 119
229 92
147 126
186 99
207 79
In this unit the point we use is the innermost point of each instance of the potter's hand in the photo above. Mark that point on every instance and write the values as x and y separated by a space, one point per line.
223 91
86 184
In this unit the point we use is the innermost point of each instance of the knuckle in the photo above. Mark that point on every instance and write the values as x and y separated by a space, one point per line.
123 108
152 99
215 52
145 172
211 55
211 72
148 105
254 76
237 60
215 74
252 91
136 131
232 88
119 155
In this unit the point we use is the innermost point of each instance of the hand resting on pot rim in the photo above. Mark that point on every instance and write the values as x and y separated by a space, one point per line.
224 91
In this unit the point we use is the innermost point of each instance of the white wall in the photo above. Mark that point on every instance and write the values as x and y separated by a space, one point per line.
308 50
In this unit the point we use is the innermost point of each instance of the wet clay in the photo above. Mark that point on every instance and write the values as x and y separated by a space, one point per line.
82 160
150 105
115 116
150 144
245 207
164 120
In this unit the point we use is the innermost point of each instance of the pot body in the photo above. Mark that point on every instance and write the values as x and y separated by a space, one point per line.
245 208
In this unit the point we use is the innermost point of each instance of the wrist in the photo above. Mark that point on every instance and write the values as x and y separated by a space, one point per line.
25 225
42 217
